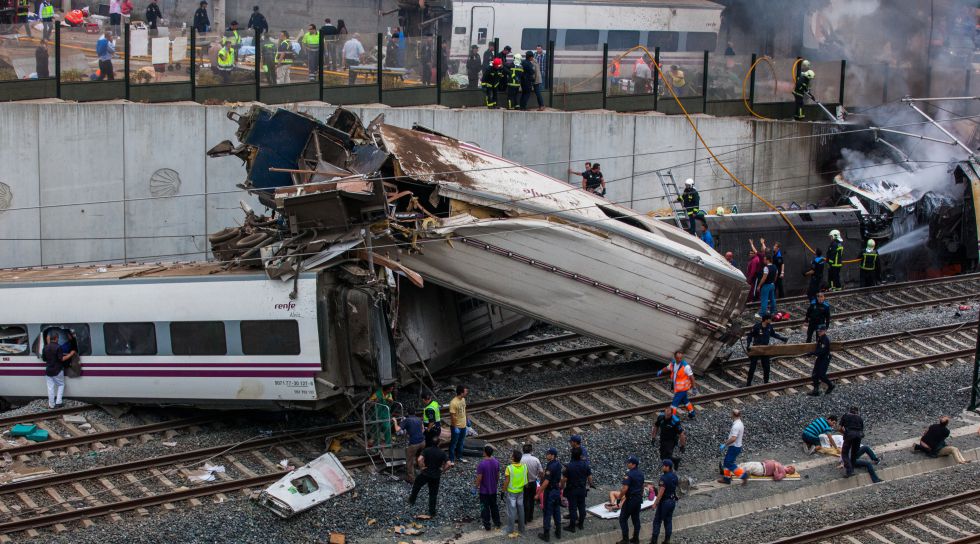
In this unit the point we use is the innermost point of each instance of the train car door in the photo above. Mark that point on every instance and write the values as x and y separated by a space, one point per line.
481 25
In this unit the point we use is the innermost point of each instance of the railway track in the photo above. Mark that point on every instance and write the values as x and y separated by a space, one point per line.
952 520
61 500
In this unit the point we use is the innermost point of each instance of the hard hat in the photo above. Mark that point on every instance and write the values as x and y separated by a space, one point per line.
720 210
871 244
689 182
805 64
809 74
497 63
835 234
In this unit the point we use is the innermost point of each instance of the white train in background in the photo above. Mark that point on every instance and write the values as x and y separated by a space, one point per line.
579 28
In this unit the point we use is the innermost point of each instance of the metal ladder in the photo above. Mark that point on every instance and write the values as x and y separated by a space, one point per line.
673 196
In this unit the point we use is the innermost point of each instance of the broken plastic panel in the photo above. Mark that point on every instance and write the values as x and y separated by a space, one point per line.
320 480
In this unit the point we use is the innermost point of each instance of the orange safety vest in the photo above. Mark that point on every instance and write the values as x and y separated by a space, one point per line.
614 69
682 381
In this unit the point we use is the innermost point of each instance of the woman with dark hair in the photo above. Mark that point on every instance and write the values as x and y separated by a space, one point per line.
341 31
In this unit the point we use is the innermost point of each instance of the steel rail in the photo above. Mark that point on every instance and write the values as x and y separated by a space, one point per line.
530 343
53 413
879 309
529 359
899 286
107 435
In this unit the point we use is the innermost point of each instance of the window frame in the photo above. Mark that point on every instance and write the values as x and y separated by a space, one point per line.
27 336
245 336
619 45
582 46
197 353
106 335
672 46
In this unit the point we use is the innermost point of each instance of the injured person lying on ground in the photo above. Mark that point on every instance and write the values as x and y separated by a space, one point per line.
767 469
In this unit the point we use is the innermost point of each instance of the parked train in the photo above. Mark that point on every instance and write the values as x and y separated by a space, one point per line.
198 334
580 27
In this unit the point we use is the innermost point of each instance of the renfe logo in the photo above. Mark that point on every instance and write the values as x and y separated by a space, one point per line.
285 306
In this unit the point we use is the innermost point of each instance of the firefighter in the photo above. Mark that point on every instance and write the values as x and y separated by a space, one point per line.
515 77
835 260
692 203
870 270
493 75
803 81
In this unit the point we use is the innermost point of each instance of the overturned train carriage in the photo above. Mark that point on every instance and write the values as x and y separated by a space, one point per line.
429 209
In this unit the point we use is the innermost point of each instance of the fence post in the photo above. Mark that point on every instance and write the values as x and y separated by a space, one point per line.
439 61
57 60
704 85
843 75
193 65
258 65
319 61
656 78
752 81
380 67
551 73
126 59
605 72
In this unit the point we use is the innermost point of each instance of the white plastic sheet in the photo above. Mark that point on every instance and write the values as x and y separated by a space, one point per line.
139 42
180 49
161 51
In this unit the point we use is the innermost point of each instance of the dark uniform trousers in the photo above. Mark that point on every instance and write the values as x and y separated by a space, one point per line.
433 484
664 515
833 277
576 506
631 511
753 361
868 278
849 450
667 452
530 490
513 96
811 328
552 510
820 368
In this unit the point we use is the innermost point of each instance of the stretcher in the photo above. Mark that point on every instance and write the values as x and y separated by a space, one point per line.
600 511
794 477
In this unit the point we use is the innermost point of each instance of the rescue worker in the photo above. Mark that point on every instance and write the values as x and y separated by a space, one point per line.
817 314
822 363
815 273
311 44
527 79
593 182
493 76
682 378
23 11
835 260
515 478
692 204
803 81
759 335
47 19
515 78
226 61
575 477
671 433
870 271
269 58
284 57
233 38
677 80
630 501
384 398
733 444
431 418
551 491
664 502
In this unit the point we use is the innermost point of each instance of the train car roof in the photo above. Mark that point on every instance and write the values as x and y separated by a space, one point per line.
119 272
689 4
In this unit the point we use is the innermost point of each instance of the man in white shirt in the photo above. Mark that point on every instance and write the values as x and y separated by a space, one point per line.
734 445
534 471
353 52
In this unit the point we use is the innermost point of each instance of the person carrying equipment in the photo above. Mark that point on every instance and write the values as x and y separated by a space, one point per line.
835 260
870 270
493 77
803 81
692 204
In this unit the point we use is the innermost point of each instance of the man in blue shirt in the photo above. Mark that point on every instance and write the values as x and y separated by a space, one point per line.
105 48
575 441
760 335
706 234
817 314
551 489
576 476
816 428
413 427
815 273
663 504
630 501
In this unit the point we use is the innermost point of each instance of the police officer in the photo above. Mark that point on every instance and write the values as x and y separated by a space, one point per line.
692 203
822 364
815 273
311 44
234 38
817 314
493 76
515 78
226 62
575 477
664 503
593 182
835 260
759 335
269 58
671 433
803 81
527 79
432 419
630 500
870 271
551 490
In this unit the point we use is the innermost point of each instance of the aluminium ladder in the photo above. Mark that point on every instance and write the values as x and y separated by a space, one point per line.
673 196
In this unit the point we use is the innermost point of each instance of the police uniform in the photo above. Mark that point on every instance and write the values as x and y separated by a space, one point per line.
760 336
821 365
817 267
835 260
692 204
870 271
664 514
633 480
817 314
552 499
670 431
593 181
576 475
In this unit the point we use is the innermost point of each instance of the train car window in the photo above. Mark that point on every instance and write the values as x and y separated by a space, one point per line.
81 331
459 30
481 36
272 337
198 338
533 37
130 338
14 340
621 40
581 40
701 41
666 41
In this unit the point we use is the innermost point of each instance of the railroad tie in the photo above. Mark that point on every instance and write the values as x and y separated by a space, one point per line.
241 467
878 537
948 525
960 515
918 525
898 530
142 488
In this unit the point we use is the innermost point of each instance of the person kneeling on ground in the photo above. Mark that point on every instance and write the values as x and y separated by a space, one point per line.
933 442
817 428
766 468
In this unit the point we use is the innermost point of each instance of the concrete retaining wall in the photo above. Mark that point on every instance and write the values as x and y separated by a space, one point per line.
109 181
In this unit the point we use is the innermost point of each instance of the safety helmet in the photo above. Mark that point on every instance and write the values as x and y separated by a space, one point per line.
689 182
497 63
835 234
720 210
871 245
809 74
805 64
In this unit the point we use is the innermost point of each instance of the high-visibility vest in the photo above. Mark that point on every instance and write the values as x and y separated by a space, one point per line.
287 56
47 11
235 38
682 382
23 7
516 74
434 406
869 260
311 39
268 53
226 58
677 78
518 478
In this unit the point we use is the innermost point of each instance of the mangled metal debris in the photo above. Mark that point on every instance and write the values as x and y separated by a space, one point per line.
320 480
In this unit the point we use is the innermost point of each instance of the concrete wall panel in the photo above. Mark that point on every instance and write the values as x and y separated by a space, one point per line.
20 217
732 141
661 142
479 126
782 163
222 174
539 140
606 138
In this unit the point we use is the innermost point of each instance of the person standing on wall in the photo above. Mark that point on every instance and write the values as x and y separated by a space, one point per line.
54 371
541 57
473 67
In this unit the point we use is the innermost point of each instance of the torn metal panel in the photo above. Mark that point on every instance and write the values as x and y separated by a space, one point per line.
320 480
887 194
